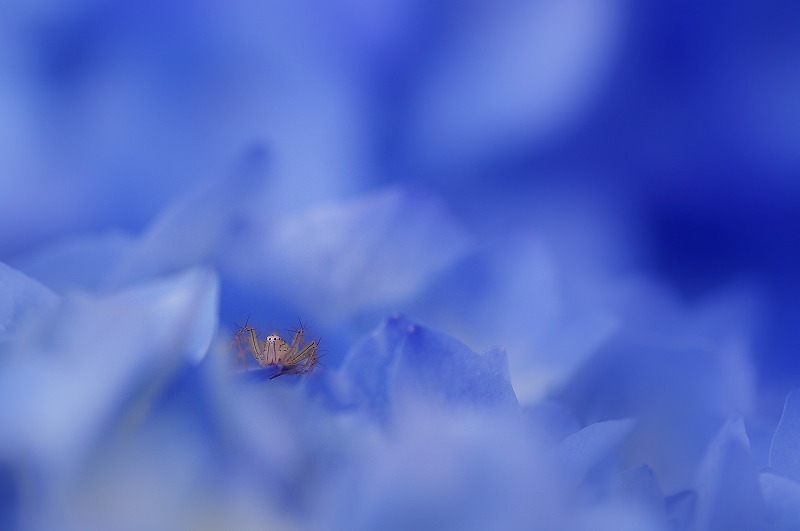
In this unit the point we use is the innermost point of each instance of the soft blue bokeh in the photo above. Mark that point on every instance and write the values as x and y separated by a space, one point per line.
549 249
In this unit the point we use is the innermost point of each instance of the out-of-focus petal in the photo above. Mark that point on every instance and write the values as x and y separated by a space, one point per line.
404 364
509 73
20 297
784 453
450 469
782 497
728 493
590 447
337 260
77 263
99 362
639 487
193 231
663 347
197 228
552 419
680 509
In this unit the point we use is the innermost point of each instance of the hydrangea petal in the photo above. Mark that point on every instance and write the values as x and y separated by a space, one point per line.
728 494
784 452
194 230
81 262
551 420
680 509
447 470
678 372
337 260
782 498
205 452
99 359
639 486
20 297
519 71
403 361
588 448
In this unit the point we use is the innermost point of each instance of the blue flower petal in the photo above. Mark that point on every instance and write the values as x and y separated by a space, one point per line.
551 420
97 361
446 469
77 263
784 452
335 261
679 386
782 497
21 297
507 75
639 486
195 229
680 509
728 494
403 361
589 448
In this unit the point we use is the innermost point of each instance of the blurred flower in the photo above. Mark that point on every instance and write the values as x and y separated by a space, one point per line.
587 207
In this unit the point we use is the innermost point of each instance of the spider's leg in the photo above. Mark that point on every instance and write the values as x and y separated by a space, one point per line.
241 346
305 352
297 341
253 340
240 361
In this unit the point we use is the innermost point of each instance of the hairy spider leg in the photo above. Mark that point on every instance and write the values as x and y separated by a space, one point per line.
302 363
310 362
241 352
255 347
301 368
253 344
291 352
302 355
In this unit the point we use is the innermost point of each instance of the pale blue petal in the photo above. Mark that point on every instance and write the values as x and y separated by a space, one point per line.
593 446
784 453
77 263
21 298
782 498
728 493
196 229
447 469
509 75
98 362
680 509
551 420
368 253
678 370
638 486
403 362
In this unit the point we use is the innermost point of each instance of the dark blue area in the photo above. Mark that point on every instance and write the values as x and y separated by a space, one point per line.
9 497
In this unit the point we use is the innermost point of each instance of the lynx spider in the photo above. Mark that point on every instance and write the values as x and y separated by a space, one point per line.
297 357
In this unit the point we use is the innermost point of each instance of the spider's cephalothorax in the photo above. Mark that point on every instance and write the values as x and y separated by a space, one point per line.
297 357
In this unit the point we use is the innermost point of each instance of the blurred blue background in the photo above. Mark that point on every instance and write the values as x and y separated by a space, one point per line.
674 124
558 178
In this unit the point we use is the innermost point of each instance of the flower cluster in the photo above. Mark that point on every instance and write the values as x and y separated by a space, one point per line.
548 251
143 423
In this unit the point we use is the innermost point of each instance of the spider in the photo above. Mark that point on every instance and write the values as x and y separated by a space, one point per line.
297 357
